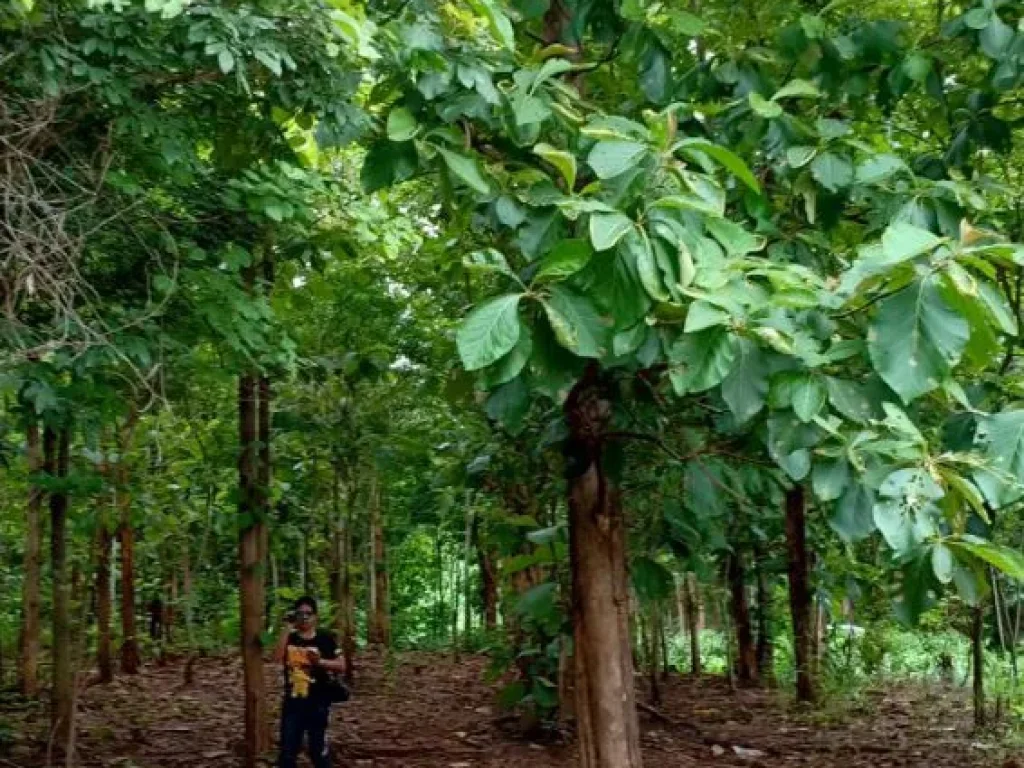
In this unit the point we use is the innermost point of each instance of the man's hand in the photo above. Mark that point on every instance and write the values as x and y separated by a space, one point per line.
313 655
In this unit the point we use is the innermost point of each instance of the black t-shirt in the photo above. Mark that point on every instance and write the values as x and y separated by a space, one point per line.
324 642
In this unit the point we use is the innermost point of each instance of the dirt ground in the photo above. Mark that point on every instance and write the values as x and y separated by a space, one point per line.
424 711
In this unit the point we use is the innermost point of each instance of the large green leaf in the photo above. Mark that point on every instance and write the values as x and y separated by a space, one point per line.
745 389
702 360
832 171
637 247
731 162
797 89
489 332
402 126
606 229
853 519
809 394
610 158
466 169
903 241
512 364
1001 438
1009 561
577 324
916 339
567 258
735 239
562 160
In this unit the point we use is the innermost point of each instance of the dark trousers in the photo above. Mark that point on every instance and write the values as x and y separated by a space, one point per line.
298 718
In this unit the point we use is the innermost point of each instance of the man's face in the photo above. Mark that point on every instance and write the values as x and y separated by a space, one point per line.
304 617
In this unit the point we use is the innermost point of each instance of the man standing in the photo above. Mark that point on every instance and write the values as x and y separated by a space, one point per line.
309 655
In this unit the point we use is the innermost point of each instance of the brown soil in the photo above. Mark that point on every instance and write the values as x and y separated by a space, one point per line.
423 711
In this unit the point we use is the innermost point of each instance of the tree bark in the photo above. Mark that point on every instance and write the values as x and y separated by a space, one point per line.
765 647
488 582
62 704
605 701
746 656
104 647
130 657
978 663
28 666
799 591
251 575
348 627
337 559
691 602
467 597
380 627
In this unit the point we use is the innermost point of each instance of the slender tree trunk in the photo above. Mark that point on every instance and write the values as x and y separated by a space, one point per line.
488 584
691 601
62 704
467 597
104 652
130 657
348 628
978 663
172 602
799 591
251 577
746 656
28 666
337 559
607 724
653 656
381 625
663 643
186 593
765 649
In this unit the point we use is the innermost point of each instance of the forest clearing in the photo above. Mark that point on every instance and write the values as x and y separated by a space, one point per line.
425 711
596 383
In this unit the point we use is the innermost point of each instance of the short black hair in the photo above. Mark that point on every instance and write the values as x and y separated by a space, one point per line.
305 600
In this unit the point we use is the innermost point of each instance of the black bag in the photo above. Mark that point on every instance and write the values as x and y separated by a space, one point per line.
336 690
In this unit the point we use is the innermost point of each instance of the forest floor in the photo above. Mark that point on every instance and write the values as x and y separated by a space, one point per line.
424 711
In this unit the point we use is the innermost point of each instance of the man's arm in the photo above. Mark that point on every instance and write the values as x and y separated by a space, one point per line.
330 660
333 665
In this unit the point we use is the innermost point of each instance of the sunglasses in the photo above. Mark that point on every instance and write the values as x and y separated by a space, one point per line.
303 614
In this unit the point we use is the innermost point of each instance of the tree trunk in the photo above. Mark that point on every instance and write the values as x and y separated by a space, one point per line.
799 591
251 573
348 628
691 602
169 612
186 593
28 666
663 643
605 704
62 703
130 657
746 656
380 626
488 584
104 653
337 559
652 654
978 663
467 597
765 649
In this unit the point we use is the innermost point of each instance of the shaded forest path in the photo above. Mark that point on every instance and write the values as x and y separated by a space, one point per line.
424 711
